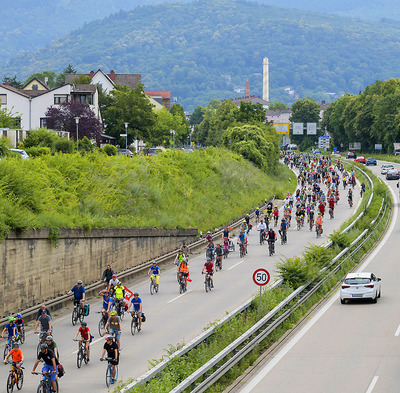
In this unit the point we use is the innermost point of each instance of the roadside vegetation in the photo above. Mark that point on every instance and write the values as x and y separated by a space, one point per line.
295 272
204 189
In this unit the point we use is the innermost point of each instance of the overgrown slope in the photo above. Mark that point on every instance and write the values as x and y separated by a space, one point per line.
204 189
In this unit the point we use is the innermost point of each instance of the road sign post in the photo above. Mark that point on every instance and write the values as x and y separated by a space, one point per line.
261 277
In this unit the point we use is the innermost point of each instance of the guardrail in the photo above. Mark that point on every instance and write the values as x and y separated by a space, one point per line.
239 354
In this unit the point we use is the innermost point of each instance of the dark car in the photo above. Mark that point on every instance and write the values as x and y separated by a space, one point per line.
370 161
396 152
351 154
152 151
125 152
392 174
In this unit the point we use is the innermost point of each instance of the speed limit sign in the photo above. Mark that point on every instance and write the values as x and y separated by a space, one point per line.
261 277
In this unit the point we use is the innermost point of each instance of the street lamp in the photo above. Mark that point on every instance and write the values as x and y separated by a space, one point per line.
77 131
173 138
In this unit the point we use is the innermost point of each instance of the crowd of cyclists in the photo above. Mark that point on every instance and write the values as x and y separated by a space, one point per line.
319 185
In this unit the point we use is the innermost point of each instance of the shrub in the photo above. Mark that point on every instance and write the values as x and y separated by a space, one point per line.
110 150
41 137
37 151
64 146
87 145
293 271
340 239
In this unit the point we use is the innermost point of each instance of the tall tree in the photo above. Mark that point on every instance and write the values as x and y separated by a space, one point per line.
197 116
60 80
13 82
62 117
7 118
250 113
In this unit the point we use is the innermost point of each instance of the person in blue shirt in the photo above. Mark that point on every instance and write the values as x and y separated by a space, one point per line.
137 304
107 301
79 293
242 239
283 230
156 272
12 329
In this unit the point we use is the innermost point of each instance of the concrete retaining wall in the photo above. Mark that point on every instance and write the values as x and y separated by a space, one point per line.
34 270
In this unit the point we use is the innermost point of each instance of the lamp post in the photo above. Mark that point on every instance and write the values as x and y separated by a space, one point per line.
173 138
126 135
77 118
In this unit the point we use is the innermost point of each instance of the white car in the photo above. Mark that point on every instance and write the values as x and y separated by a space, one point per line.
360 286
23 153
385 168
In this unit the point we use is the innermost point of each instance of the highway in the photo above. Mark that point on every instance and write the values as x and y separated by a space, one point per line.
172 318
343 348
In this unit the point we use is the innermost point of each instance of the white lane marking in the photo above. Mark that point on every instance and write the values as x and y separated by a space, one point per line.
93 342
397 332
268 367
372 384
183 294
236 264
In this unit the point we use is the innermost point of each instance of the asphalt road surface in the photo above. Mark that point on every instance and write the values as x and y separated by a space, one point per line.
344 348
173 318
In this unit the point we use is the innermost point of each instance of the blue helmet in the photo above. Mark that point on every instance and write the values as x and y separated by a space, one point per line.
19 315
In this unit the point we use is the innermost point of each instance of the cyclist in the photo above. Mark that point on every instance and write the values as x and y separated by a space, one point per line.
269 209
225 233
243 226
49 359
107 275
271 238
318 222
113 282
51 344
12 329
179 257
257 214
155 272
321 208
210 250
85 335
45 324
17 357
299 215
79 293
209 269
242 239
262 228
114 325
311 218
112 352
283 230
331 204
219 252
185 248
362 188
20 323
183 270
120 295
137 304
350 197
107 302
276 215
40 311
208 237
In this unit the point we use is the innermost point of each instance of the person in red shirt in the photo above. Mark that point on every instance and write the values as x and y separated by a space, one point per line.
331 203
85 335
208 268
321 208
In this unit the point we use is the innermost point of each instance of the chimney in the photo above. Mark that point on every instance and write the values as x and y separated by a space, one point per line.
112 75
265 79
91 74
46 80
247 89
7 84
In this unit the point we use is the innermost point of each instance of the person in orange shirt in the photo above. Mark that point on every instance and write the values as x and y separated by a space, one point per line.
17 356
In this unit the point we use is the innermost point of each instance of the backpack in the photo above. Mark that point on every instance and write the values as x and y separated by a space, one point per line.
60 371
143 318
86 310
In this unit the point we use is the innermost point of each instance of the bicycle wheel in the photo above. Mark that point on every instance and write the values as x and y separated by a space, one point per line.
116 372
22 335
206 285
81 316
6 351
133 326
109 376
20 380
121 312
181 287
156 287
79 358
101 327
41 388
74 316
151 287
10 383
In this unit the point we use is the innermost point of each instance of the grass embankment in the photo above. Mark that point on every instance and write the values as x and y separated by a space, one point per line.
204 190
295 272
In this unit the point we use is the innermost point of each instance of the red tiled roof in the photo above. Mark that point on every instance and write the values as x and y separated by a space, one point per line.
15 90
165 94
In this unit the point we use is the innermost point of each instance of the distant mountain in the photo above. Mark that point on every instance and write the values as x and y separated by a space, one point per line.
208 49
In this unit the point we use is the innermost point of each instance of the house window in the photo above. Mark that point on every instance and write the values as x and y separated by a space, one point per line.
35 87
86 99
58 99
43 122
3 99
16 123
5 133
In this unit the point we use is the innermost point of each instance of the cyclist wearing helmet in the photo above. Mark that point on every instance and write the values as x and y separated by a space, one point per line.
242 239
137 304
85 335
257 213
276 214
112 352
155 272
208 268
114 326
20 323
51 344
183 271
49 359
45 325
107 301
79 293
17 356
113 282
318 221
247 219
179 257
208 237
12 329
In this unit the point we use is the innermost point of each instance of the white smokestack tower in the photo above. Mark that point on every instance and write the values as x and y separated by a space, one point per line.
265 79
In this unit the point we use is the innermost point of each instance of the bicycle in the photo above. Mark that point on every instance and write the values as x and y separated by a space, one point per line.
9 346
82 354
15 378
102 322
262 237
271 247
226 251
242 250
311 223
109 377
350 200
135 323
120 308
42 336
21 334
207 283
283 237
218 263
318 230
331 213
153 285
181 282
298 227
77 312
45 383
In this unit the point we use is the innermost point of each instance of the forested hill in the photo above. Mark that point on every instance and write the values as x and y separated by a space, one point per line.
205 49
